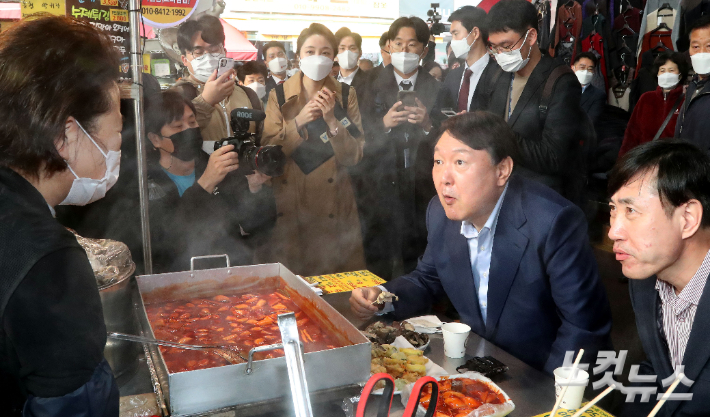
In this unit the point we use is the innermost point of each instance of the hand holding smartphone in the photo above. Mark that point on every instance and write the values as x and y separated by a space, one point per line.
224 65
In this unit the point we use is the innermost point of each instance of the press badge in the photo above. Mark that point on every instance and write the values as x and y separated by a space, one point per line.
345 122
324 137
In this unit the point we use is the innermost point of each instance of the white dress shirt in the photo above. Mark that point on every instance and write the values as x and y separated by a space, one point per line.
349 79
476 71
412 79
278 80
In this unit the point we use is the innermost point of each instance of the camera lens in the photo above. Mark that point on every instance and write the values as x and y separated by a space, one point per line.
270 160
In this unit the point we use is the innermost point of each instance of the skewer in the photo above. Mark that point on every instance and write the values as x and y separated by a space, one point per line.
595 400
667 394
573 374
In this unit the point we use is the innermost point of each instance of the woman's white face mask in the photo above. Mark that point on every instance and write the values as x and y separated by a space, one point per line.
316 67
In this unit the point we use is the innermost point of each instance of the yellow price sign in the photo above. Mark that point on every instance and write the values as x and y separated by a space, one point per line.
53 7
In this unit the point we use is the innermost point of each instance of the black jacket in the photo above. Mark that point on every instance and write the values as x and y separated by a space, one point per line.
548 153
385 155
52 332
270 85
693 121
201 223
449 93
593 102
361 84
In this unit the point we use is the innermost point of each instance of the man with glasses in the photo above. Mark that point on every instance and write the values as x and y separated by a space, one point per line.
539 97
201 44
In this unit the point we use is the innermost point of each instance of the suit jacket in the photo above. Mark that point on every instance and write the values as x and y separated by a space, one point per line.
646 303
544 293
593 102
360 83
449 93
548 153
270 85
384 155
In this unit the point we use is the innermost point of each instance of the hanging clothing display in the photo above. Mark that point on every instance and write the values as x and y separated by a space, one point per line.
595 44
690 11
655 5
658 41
568 30
619 97
658 17
544 22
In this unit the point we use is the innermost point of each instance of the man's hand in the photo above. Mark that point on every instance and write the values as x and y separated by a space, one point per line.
419 116
222 162
394 117
218 89
310 112
256 181
361 301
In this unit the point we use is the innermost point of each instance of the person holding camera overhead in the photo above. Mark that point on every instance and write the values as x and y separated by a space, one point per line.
317 121
199 204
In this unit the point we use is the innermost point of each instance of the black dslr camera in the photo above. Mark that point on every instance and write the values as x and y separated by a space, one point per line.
269 160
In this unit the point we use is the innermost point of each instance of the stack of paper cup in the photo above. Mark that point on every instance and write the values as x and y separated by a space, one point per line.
575 392
455 337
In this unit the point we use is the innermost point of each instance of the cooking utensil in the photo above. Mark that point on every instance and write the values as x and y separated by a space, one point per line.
388 394
231 356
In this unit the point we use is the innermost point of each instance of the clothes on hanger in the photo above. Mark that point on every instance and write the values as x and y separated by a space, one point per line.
595 44
543 18
653 5
569 27
657 17
691 10
657 41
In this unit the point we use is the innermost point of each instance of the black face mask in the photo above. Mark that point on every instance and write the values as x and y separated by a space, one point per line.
187 144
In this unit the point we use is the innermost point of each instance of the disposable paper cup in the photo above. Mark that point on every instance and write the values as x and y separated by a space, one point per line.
455 338
575 392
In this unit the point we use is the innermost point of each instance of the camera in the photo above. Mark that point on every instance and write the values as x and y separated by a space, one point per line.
269 160
434 20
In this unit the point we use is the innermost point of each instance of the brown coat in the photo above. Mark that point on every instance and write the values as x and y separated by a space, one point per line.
317 227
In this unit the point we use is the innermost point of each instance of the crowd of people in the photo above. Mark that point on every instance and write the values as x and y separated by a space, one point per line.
468 182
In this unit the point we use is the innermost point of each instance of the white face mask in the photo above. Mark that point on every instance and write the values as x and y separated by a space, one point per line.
316 67
701 63
204 66
258 88
584 76
460 47
668 80
405 62
278 65
87 190
348 59
513 61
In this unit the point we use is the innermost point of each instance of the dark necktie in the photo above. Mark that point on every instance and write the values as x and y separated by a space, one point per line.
465 88
405 85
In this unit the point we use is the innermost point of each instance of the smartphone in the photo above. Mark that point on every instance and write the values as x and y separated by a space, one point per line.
448 112
408 98
224 65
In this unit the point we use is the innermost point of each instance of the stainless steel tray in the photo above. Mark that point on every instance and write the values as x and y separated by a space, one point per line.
203 390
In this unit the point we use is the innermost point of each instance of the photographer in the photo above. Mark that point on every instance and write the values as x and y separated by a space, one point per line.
199 205
317 230
201 44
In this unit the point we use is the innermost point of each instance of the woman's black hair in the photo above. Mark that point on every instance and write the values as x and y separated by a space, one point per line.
44 80
316 29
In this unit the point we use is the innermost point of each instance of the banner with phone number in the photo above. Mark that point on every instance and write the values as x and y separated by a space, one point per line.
167 13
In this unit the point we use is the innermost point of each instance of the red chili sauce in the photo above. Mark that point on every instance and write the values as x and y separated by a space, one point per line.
458 397
236 322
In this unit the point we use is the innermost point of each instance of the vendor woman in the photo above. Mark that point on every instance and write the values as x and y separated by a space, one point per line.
60 135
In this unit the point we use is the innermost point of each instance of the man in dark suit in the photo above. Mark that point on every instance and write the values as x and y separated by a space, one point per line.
349 52
661 232
539 97
593 99
396 133
385 53
511 254
461 91
274 54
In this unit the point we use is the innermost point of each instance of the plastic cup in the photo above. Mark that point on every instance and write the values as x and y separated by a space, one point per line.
455 338
575 392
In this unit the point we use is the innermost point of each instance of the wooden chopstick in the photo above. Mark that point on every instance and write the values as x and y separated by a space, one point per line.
569 379
595 400
667 394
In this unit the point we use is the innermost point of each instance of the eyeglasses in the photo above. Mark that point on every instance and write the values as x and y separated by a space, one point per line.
498 49
212 49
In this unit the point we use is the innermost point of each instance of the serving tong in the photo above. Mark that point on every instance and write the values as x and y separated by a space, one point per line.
224 352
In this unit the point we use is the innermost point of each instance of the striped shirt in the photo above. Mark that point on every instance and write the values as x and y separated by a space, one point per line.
678 310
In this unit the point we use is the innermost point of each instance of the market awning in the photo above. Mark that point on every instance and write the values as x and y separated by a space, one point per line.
238 47
487 4
10 11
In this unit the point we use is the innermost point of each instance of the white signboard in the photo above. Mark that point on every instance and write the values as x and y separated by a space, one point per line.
351 8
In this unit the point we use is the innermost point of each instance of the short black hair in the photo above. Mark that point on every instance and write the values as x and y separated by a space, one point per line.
471 17
675 57
515 15
588 55
383 40
316 29
343 33
164 108
250 68
269 45
211 28
702 23
482 130
683 173
420 28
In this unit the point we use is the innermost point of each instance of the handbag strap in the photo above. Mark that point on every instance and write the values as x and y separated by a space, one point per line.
668 118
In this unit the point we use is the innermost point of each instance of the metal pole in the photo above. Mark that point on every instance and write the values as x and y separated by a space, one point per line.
137 95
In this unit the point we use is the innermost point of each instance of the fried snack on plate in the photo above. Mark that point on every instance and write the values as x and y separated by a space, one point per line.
385 297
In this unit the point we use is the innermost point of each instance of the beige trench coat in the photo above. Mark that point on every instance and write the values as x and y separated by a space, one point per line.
317 229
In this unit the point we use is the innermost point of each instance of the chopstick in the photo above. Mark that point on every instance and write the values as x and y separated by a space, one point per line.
595 400
667 394
573 374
